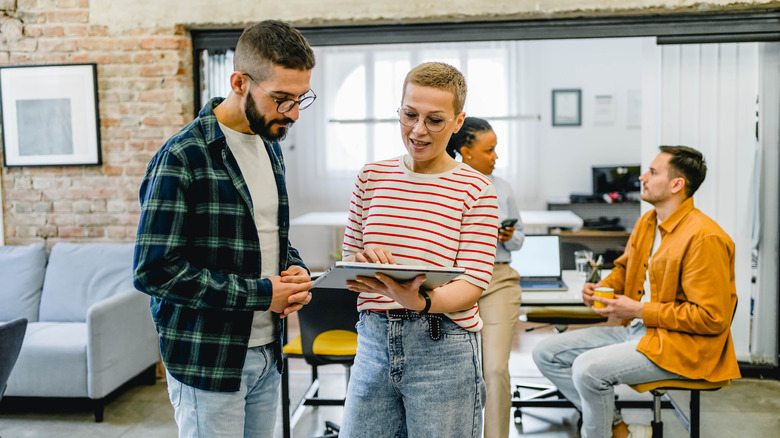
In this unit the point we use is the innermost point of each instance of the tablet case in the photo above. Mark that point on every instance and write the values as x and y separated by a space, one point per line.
337 275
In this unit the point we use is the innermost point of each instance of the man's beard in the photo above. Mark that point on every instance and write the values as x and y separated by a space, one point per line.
258 124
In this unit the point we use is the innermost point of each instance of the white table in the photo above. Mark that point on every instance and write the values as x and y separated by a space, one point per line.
572 296
534 222
540 218
335 220
322 219
551 219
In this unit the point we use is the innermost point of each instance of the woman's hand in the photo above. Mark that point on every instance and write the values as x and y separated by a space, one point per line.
504 234
406 293
374 254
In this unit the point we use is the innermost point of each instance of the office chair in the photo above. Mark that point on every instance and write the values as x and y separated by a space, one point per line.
559 317
328 336
11 338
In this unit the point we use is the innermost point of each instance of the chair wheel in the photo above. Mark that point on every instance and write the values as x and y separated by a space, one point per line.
516 394
518 417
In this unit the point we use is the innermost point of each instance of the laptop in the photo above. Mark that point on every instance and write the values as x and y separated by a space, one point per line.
539 263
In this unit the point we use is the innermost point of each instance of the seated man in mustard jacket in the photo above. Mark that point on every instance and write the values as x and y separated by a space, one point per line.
674 289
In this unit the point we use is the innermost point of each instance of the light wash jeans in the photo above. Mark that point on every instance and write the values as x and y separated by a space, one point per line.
405 384
586 365
249 412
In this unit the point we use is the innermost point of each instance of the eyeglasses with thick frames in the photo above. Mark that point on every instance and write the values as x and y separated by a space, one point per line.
285 105
432 123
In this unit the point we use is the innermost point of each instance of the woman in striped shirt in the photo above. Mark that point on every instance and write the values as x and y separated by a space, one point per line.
417 369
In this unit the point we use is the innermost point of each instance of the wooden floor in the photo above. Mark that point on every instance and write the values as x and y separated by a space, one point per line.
749 408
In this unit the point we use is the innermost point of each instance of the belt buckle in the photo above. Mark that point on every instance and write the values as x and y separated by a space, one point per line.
390 316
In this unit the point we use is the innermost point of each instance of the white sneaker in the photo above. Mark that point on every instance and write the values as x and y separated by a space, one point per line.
640 431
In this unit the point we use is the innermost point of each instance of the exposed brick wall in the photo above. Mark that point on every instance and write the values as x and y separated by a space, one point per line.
145 95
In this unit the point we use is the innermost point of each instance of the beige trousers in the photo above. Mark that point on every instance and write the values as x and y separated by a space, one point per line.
499 307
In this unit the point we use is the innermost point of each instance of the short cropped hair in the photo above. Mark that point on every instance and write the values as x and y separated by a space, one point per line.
687 163
271 43
442 76
467 134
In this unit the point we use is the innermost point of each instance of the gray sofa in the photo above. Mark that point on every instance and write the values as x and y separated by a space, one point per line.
89 330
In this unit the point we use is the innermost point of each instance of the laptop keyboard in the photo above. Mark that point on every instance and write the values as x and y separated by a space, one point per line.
540 283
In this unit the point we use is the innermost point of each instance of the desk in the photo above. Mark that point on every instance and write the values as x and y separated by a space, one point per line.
535 222
335 220
570 297
541 218
551 219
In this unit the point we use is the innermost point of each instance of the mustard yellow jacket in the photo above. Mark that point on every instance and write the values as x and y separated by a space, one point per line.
692 275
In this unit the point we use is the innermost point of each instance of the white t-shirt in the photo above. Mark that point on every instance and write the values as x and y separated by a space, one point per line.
255 166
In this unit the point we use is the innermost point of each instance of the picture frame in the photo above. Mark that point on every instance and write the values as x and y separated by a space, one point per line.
567 107
50 115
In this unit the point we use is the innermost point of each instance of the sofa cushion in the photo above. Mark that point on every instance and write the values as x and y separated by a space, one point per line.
80 274
21 273
52 363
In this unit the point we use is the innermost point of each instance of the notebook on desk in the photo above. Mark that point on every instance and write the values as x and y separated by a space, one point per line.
539 263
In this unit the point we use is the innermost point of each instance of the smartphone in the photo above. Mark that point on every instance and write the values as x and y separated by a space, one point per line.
506 223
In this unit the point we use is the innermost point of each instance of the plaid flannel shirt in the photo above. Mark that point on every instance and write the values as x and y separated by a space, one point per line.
198 254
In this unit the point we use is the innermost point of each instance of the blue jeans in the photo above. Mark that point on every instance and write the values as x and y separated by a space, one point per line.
405 384
249 412
587 364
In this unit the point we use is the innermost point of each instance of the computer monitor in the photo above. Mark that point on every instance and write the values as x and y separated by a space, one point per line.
621 179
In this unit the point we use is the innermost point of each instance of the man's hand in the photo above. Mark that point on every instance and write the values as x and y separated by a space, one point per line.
295 274
291 291
504 234
587 293
621 307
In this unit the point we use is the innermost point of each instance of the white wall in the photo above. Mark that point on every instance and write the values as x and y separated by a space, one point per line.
707 100
560 157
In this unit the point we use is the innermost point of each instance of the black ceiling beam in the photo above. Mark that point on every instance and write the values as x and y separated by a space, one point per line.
717 27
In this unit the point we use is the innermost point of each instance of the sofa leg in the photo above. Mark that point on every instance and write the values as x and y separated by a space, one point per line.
98 406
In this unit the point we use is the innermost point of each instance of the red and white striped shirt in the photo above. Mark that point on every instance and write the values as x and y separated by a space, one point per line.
446 219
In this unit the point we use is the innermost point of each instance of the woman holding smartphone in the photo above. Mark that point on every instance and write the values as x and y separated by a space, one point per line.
499 304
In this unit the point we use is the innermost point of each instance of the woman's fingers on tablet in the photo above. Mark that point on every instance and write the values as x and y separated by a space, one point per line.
377 254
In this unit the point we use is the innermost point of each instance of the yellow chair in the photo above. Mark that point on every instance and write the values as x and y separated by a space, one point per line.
328 336
659 389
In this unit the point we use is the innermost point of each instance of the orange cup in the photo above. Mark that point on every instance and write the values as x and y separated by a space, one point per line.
603 292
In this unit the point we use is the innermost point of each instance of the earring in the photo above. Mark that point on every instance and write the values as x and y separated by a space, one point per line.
469 157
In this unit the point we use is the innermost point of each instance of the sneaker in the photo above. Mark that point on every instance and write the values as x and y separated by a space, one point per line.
640 431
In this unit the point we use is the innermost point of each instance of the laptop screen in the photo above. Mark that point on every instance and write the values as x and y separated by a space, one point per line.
540 256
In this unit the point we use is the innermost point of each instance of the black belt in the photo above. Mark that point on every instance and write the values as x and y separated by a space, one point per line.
434 319
501 263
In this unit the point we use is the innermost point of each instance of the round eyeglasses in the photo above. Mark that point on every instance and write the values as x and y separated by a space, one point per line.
432 123
285 105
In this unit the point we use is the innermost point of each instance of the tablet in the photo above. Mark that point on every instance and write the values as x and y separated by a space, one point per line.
338 274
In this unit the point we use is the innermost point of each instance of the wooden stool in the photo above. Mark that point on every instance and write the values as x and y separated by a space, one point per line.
659 388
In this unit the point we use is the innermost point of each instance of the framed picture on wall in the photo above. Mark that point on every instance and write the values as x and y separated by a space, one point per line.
50 115
567 107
